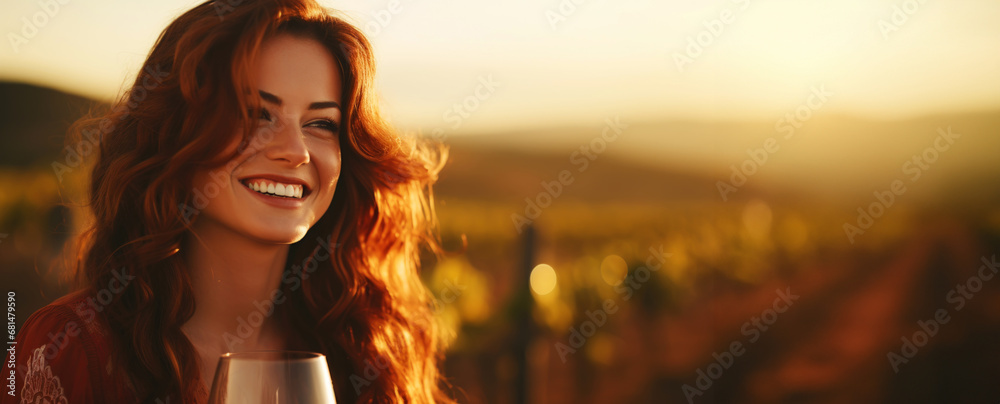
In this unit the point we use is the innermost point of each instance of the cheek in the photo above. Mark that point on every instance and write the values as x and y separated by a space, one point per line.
216 182
329 175
328 166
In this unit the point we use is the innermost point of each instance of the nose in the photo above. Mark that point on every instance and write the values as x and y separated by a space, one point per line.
287 145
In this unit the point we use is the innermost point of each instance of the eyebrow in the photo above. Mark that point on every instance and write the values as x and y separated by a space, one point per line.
274 99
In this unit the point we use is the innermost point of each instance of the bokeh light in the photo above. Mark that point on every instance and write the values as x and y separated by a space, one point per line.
543 279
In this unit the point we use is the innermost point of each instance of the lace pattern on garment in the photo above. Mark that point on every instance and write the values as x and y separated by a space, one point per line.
40 385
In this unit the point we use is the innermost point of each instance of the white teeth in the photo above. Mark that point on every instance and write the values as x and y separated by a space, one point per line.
285 190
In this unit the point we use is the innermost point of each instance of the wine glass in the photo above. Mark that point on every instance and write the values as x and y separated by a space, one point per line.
272 377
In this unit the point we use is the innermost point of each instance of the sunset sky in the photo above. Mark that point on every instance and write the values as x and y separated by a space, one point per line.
599 59
558 64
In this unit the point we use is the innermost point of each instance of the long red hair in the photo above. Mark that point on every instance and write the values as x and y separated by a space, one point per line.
364 307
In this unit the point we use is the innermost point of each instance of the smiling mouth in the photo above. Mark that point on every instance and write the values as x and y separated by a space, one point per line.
278 189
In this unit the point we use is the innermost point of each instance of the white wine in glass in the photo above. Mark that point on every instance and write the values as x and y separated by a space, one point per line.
272 377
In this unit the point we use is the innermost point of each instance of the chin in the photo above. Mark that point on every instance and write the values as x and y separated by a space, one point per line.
273 235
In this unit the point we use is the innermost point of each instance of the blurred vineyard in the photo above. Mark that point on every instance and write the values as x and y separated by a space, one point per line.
725 263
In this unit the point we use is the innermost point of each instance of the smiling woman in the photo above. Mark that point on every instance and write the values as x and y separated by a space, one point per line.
253 199
294 174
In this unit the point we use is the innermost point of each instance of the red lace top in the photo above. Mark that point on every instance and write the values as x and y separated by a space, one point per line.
62 356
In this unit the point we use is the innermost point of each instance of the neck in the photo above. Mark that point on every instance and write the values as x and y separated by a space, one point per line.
231 277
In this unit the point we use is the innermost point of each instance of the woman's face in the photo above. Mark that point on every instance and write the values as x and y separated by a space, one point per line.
283 183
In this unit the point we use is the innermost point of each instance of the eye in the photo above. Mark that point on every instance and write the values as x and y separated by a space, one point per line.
325 124
264 115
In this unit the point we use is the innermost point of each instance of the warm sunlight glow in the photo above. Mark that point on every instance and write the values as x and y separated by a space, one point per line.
505 73
543 279
434 54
